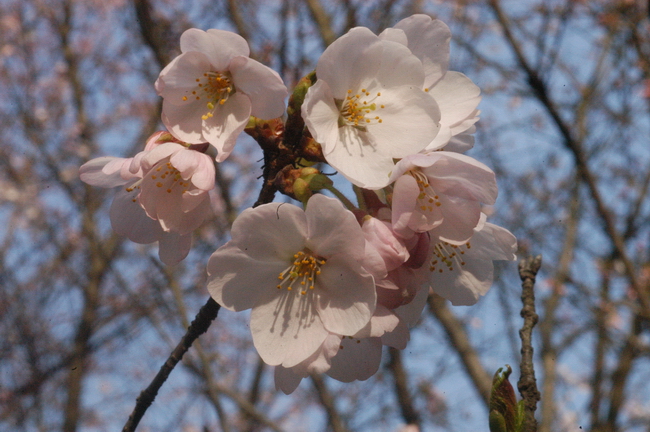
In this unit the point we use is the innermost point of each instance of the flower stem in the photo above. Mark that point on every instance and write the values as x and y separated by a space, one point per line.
358 192
346 202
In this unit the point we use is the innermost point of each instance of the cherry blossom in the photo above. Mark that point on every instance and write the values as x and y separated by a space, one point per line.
163 195
300 273
368 107
463 273
441 192
212 88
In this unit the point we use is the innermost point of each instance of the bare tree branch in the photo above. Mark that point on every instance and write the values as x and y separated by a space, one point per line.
333 417
322 20
459 340
395 365
573 145
199 326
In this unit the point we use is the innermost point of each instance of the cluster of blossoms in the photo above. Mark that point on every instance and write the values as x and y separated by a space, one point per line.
332 283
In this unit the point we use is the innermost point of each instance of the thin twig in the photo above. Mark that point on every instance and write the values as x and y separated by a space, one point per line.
460 342
199 326
326 399
527 383
395 365
322 20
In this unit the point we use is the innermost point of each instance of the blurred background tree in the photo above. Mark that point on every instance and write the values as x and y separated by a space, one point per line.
87 318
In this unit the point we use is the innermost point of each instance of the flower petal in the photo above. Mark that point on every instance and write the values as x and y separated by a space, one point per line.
360 160
460 217
178 80
271 232
331 229
129 219
358 359
185 122
262 84
321 116
410 121
350 61
103 172
399 67
287 329
238 282
405 195
464 285
461 176
345 295
429 41
174 247
494 243
228 121
286 379
457 96
219 46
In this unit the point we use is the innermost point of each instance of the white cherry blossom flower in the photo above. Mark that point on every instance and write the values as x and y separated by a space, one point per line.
163 194
441 192
463 273
368 107
212 88
301 274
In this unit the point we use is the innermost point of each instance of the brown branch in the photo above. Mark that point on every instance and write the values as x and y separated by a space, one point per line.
628 354
395 365
153 32
238 20
527 384
548 324
199 326
326 399
600 348
254 392
251 411
460 342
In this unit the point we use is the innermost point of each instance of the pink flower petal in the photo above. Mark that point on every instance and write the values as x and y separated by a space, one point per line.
238 282
464 285
129 219
286 329
346 296
262 84
174 247
399 67
350 60
429 41
219 46
410 121
274 231
185 122
321 116
228 121
103 172
460 216
358 359
332 229
178 80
